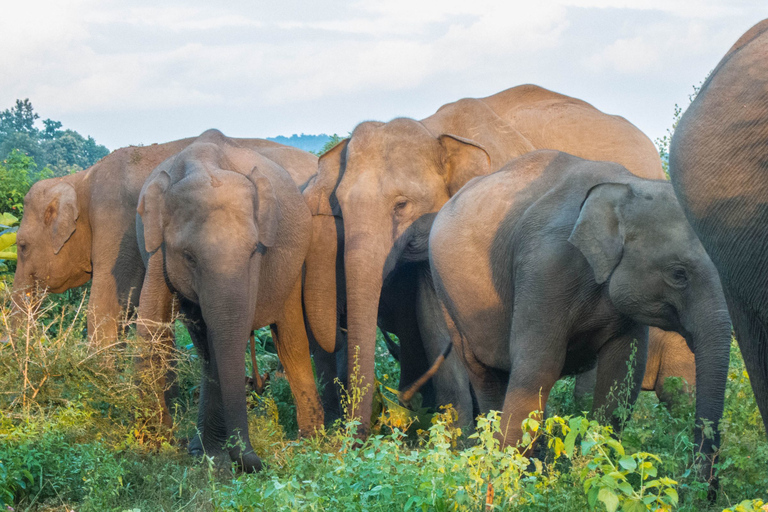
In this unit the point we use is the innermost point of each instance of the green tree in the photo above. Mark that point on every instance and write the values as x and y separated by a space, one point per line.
17 174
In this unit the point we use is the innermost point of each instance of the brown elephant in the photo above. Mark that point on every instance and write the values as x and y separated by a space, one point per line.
387 178
226 230
718 167
82 227
668 356
555 262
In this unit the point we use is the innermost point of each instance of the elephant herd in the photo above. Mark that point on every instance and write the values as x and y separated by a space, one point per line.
523 236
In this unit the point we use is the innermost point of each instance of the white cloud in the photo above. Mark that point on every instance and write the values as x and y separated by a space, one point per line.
92 59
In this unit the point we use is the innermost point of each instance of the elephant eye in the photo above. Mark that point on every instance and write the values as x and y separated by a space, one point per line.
400 205
189 258
680 276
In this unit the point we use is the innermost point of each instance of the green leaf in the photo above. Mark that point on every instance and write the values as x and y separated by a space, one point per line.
570 441
672 494
634 506
7 240
626 488
609 499
7 219
628 463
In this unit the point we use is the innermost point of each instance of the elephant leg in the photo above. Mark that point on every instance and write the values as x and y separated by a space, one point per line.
451 381
584 384
612 389
293 350
536 366
104 310
752 336
326 367
155 328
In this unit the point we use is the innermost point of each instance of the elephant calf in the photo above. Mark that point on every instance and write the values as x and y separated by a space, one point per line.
555 261
226 230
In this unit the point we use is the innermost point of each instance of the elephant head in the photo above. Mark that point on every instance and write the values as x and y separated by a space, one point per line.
213 213
636 237
53 240
384 181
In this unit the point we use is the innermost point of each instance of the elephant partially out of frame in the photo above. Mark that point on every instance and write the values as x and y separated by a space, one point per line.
718 165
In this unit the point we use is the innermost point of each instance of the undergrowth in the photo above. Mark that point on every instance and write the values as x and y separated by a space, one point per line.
79 431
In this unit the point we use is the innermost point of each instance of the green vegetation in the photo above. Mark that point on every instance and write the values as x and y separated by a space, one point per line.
77 432
60 150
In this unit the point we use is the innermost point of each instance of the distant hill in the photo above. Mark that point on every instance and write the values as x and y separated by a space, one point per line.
312 143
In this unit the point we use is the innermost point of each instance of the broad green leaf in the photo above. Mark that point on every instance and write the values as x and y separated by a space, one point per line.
672 494
7 240
633 506
609 499
570 441
7 219
628 463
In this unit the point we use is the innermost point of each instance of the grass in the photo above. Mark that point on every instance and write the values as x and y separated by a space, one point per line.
78 432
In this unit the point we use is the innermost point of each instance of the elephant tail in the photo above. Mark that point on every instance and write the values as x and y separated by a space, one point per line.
407 395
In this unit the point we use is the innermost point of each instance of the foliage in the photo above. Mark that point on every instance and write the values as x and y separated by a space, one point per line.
663 142
17 174
8 230
60 150
332 142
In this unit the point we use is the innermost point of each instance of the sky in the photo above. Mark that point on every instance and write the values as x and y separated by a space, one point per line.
140 72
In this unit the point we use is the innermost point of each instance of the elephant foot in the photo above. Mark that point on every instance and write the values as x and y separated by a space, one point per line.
249 462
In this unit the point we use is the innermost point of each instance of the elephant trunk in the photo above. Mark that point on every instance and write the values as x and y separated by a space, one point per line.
228 311
320 282
24 289
364 260
709 338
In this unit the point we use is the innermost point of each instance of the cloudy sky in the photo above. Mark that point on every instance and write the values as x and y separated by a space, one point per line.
158 71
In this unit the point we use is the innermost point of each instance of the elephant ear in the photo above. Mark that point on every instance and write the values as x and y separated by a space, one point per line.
599 230
151 207
462 160
267 208
61 214
330 168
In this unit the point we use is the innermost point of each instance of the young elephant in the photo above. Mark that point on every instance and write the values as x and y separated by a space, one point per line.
553 262
226 230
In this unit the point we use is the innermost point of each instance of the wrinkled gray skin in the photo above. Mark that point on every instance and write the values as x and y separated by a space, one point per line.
226 230
388 178
668 356
555 261
82 227
717 164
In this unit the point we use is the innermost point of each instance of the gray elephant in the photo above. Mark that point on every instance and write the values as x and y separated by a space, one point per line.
554 262
668 356
225 230
388 179
82 228
717 164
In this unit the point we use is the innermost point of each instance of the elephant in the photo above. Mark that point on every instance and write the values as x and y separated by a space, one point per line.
225 230
82 227
408 308
717 166
554 262
383 185
668 356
